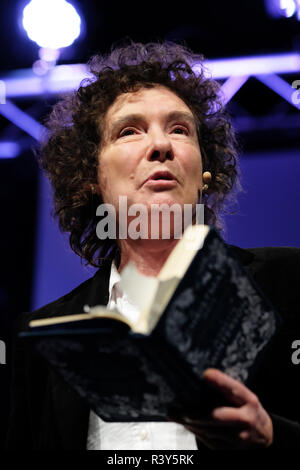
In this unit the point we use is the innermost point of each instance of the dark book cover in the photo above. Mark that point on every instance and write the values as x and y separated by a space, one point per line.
217 317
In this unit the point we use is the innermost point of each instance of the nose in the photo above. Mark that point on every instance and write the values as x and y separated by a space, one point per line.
160 147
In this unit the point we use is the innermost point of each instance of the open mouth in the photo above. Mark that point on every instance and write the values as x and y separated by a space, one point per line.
162 176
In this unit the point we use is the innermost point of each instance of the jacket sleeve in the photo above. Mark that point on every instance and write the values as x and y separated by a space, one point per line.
286 433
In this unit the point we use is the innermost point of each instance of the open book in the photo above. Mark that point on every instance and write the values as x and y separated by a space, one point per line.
148 293
203 310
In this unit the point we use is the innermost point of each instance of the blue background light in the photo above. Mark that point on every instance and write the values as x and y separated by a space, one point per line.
9 149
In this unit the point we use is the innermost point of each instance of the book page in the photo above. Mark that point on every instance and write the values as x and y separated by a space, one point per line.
183 253
175 268
151 295
164 292
94 312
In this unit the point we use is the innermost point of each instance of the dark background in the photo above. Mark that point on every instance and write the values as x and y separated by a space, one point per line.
217 29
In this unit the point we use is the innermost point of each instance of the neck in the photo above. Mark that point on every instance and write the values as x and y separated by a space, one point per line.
148 256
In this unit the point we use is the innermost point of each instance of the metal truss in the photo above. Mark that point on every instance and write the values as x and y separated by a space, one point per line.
234 72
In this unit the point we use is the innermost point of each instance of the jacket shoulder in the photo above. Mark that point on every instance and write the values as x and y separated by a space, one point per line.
276 270
93 291
69 297
269 257
54 308
90 292
285 254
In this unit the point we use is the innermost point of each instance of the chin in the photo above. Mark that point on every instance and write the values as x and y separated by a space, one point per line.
164 198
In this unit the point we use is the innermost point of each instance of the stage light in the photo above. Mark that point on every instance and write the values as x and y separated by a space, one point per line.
52 24
282 8
298 9
288 7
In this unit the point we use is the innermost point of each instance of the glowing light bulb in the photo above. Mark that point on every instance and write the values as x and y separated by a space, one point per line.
51 24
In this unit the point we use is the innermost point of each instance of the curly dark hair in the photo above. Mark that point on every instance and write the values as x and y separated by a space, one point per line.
69 155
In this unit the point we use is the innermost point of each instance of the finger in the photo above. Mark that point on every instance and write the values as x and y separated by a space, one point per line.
229 414
236 392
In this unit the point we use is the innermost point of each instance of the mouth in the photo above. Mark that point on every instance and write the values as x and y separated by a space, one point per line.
161 176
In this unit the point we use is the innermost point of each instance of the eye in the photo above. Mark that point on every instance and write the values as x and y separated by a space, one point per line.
180 130
126 132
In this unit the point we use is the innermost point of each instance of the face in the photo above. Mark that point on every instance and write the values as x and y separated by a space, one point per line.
150 151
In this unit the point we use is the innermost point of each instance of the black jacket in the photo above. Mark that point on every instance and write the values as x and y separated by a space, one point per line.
46 414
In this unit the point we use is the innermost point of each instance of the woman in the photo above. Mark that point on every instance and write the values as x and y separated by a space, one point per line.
149 129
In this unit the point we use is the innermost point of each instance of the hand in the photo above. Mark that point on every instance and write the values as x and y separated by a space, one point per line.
245 425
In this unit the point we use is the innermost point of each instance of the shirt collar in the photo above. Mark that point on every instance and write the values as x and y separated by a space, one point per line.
114 278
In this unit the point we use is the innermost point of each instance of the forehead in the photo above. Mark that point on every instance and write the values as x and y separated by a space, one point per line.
156 100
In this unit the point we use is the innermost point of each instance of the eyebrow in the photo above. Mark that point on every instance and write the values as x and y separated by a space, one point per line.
134 118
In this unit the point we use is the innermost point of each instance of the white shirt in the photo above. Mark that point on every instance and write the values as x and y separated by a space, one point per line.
134 436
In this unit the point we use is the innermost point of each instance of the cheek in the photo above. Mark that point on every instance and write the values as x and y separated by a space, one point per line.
115 170
122 160
193 166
